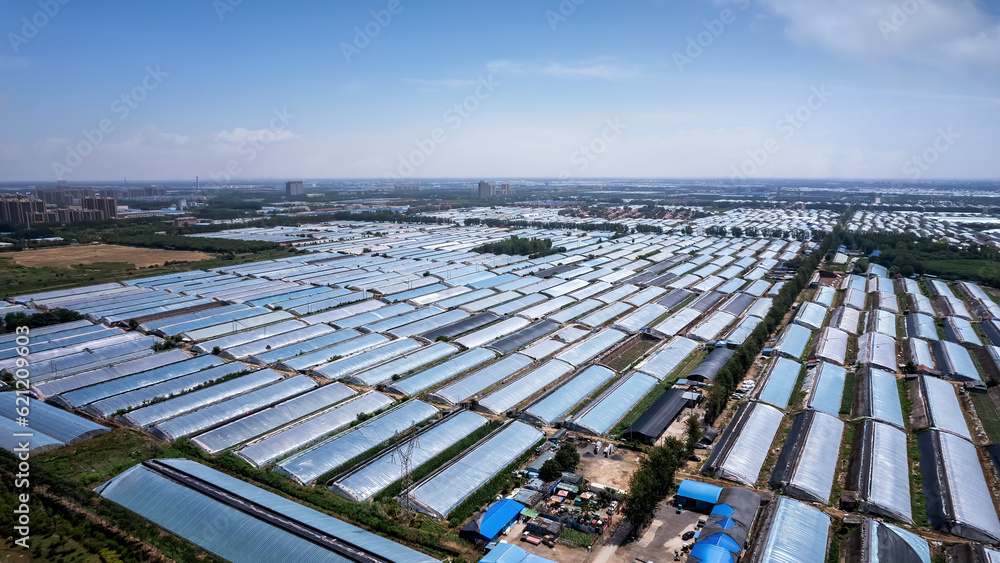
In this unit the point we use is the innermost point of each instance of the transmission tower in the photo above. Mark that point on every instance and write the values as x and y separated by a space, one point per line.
402 453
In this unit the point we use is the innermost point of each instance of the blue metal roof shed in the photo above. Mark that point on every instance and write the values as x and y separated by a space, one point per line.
510 553
696 495
487 526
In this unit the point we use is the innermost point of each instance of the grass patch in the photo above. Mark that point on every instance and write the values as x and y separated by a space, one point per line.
904 400
847 399
630 353
577 537
917 505
989 413
798 394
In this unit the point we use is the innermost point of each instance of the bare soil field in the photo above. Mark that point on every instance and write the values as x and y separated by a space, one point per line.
66 256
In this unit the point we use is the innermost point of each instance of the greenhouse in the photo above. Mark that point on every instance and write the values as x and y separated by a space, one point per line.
807 463
548 306
487 377
145 378
569 313
704 303
855 299
810 315
605 315
429 324
793 341
882 322
310 430
918 352
106 408
339 347
591 347
396 368
877 396
676 323
441 492
459 328
390 323
554 405
878 471
641 318
509 396
941 406
262 422
826 389
372 478
794 531
739 304
440 373
711 327
199 514
710 366
339 313
959 330
522 337
846 319
305 334
958 497
352 364
877 350
954 361
824 295
776 383
880 542
38 444
740 453
239 338
830 345
289 351
323 458
674 298
174 325
370 317
886 301
921 326
177 406
53 387
743 329
667 358
229 409
511 307
920 304
53 422
493 332
602 414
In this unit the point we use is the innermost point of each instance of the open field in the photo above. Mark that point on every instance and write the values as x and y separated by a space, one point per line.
66 256
989 413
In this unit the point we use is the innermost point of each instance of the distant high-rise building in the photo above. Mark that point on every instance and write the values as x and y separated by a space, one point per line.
294 188
407 187
19 209
486 190
108 206
505 189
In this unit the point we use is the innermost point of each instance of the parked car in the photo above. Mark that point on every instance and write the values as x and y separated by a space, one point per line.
694 458
687 535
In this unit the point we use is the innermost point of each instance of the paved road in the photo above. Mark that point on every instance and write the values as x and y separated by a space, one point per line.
614 542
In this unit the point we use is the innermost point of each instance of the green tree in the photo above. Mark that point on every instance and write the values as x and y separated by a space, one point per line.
551 470
693 434
568 457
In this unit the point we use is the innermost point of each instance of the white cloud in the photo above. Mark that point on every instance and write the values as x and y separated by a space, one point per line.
151 136
442 82
602 68
936 33
241 134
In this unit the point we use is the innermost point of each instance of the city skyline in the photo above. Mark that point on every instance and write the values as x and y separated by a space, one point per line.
571 90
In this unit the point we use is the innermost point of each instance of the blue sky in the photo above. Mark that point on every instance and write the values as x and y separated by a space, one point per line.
231 90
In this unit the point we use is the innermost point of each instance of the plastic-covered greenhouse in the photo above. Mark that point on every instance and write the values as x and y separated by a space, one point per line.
307 431
524 336
440 373
311 464
213 415
554 405
954 361
958 498
712 327
442 491
794 532
262 422
667 358
490 375
239 338
305 334
519 390
811 315
743 447
922 326
830 345
806 466
493 332
878 350
39 443
827 389
403 364
372 478
710 366
54 387
53 422
846 319
177 406
197 513
793 341
878 470
569 313
338 347
876 396
591 347
776 383
352 364
605 314
880 542
942 407
598 417
277 354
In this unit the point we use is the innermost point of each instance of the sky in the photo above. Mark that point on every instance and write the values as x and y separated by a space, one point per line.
234 90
